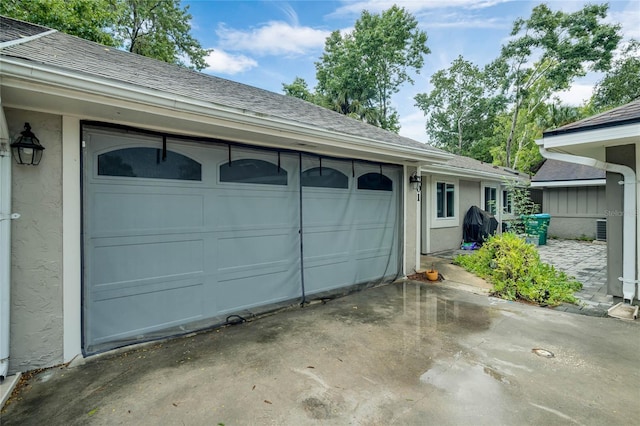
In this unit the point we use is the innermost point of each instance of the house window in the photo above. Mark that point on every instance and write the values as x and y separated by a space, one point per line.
375 181
507 202
490 199
148 163
255 171
445 199
324 177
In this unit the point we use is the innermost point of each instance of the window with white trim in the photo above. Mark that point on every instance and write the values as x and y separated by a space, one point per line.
507 202
490 199
445 200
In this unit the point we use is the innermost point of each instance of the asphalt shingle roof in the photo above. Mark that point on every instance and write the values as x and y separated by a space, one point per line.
625 114
480 166
75 55
554 170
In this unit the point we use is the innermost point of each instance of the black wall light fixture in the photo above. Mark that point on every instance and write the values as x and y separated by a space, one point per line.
26 148
416 181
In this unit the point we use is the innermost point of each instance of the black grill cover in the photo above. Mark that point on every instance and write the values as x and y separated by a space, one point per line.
478 225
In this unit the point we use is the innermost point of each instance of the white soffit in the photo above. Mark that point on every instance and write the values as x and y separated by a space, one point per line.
564 183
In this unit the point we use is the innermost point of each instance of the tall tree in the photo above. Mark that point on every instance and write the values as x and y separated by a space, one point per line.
460 107
621 84
557 47
88 19
156 28
298 89
360 71
159 29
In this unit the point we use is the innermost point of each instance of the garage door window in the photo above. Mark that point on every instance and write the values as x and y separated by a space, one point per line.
253 171
148 163
324 177
375 181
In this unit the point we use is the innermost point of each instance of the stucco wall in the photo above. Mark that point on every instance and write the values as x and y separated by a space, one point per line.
619 155
574 210
36 244
451 237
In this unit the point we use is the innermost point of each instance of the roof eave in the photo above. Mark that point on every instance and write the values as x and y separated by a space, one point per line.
62 82
444 169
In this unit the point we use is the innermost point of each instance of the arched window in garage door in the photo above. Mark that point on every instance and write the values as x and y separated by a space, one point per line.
251 170
148 163
375 182
324 177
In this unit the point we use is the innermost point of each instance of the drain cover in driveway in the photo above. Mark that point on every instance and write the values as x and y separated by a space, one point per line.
623 311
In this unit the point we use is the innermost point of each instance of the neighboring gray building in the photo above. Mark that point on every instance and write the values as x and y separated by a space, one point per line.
574 196
609 141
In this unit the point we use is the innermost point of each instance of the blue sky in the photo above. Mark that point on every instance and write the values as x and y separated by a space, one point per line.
267 43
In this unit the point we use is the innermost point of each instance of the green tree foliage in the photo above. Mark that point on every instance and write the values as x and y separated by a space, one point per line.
360 71
621 84
88 19
298 89
159 29
155 28
461 108
556 47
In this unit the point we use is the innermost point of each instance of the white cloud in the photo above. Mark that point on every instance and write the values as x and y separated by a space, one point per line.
377 6
413 126
629 19
272 38
470 22
577 95
222 62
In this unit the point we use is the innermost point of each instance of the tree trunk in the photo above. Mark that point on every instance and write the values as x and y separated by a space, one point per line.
459 137
514 121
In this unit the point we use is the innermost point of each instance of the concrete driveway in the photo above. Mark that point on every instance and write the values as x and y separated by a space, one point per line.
407 353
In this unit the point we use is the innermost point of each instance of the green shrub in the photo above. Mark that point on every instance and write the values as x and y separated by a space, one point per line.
516 271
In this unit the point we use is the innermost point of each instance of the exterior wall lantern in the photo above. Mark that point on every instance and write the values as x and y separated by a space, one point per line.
416 181
26 148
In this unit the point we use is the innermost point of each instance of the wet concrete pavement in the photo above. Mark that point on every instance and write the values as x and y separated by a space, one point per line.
405 353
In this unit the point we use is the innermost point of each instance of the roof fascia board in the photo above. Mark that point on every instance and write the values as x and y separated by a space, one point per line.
562 183
590 136
455 171
135 97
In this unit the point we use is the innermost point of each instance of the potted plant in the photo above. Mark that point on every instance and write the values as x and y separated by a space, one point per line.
432 274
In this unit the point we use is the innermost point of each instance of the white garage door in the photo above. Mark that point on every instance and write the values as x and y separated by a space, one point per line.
179 235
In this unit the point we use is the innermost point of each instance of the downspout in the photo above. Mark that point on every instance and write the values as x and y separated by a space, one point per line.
628 278
5 243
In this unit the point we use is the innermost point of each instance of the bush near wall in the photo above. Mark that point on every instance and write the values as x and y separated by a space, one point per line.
516 271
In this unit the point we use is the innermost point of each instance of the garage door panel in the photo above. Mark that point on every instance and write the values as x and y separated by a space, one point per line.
130 262
258 290
139 287
326 244
256 210
141 314
255 250
136 211
324 209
